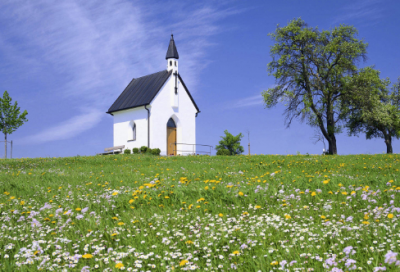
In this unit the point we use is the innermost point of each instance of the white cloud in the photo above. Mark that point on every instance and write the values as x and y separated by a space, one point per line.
366 12
255 100
97 47
67 129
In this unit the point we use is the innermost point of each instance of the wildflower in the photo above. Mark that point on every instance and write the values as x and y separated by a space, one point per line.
115 218
390 257
241 194
390 215
188 242
257 207
183 262
245 213
131 201
344 193
275 263
114 194
323 216
22 202
365 222
236 252
326 181
313 194
78 209
87 256
121 223
220 214
119 265
287 216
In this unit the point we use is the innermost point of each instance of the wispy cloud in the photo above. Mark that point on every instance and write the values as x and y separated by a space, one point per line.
255 100
364 11
97 47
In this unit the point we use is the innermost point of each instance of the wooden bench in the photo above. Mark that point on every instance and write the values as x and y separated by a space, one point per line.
113 150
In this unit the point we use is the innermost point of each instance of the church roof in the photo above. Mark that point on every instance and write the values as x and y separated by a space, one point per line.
141 91
172 52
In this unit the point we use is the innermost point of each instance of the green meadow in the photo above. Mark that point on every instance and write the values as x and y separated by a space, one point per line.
243 213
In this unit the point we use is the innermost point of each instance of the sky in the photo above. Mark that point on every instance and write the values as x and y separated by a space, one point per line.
66 62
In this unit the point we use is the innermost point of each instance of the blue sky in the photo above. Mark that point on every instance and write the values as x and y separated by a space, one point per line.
66 62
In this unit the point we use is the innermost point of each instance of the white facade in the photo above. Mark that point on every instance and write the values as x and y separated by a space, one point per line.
166 104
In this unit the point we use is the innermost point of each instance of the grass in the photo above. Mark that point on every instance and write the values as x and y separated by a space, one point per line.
244 213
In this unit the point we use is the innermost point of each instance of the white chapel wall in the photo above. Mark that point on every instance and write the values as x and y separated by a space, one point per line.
184 116
123 121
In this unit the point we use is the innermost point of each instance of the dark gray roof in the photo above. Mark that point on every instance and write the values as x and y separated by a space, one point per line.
172 52
140 91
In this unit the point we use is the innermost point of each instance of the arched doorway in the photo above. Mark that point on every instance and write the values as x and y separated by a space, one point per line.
171 137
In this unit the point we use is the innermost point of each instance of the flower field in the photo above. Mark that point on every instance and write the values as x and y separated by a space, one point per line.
243 213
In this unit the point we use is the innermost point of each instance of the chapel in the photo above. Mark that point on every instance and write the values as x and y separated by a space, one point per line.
157 111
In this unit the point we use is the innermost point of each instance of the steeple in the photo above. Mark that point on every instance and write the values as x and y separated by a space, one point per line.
172 56
172 53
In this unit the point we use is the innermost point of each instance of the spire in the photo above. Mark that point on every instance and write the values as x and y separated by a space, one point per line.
172 53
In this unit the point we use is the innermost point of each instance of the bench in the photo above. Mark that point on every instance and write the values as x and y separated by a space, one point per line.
113 150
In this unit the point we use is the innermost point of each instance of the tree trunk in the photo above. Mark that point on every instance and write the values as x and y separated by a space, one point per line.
332 145
388 142
331 133
5 146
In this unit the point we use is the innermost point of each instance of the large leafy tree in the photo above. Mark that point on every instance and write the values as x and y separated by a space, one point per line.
11 117
309 66
372 108
231 143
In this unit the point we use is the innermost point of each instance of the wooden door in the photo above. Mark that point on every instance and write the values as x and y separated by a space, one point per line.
171 140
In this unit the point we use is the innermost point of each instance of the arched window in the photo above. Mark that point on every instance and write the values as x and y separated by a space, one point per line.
175 63
171 123
170 63
134 132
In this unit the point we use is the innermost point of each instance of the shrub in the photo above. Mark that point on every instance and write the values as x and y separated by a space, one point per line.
148 151
143 149
232 143
135 150
223 152
156 151
127 151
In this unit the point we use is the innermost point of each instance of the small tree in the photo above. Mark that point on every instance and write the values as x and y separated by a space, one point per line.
10 117
231 143
373 109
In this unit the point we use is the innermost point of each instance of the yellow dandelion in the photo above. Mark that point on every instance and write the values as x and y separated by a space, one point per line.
326 181
365 222
121 223
390 215
183 262
241 194
236 252
87 256
287 216
313 194
78 209
115 193
119 265
323 216
220 215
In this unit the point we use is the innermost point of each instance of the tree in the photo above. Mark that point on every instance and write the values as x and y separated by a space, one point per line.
10 117
373 109
231 143
309 67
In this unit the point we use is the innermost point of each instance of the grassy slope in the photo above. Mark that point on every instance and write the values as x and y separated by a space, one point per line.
205 207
